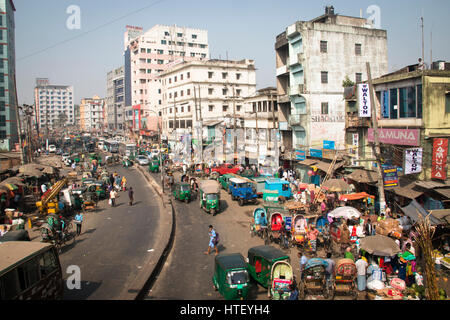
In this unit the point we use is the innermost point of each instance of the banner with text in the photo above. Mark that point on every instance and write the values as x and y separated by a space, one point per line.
364 101
439 161
413 160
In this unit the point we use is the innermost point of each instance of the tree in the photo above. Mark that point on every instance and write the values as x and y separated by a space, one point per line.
347 82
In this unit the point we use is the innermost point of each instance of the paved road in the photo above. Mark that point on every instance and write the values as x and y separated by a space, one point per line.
188 271
115 243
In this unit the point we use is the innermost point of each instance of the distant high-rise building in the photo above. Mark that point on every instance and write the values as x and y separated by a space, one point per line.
8 104
54 105
92 114
147 54
115 100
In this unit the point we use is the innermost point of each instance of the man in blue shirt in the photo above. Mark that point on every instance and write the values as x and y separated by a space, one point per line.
79 222
212 238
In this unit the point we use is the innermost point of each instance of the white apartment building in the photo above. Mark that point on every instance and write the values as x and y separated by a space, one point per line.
313 58
93 115
53 103
147 54
205 94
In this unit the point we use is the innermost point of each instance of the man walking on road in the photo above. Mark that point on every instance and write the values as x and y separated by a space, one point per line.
112 196
131 195
212 241
79 222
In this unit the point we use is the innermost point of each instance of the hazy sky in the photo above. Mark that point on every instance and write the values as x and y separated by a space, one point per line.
243 28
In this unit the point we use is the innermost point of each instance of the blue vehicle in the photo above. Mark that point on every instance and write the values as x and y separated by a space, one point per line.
282 186
242 191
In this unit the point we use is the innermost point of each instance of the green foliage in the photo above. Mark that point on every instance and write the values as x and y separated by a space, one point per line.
347 82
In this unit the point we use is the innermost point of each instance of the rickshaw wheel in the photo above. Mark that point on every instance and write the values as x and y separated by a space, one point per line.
302 293
241 202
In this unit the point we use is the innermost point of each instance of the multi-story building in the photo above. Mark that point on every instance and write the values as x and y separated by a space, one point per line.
115 100
93 115
313 58
413 111
205 94
8 104
54 105
260 120
149 54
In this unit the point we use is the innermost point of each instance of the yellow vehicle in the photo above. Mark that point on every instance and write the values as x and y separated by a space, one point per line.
49 202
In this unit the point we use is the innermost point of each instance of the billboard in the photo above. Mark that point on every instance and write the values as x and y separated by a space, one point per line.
413 160
364 101
405 137
439 160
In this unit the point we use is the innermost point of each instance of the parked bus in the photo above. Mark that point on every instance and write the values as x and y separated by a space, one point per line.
30 270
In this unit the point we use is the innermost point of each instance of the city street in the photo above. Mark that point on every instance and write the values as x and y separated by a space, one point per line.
116 243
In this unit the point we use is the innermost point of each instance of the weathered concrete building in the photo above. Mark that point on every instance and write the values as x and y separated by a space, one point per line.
115 100
413 108
313 58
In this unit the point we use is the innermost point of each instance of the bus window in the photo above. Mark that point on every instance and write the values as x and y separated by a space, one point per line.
47 263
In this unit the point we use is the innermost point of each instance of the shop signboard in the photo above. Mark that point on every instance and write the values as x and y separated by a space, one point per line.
364 101
329 145
300 155
439 160
390 176
413 160
405 137
317 153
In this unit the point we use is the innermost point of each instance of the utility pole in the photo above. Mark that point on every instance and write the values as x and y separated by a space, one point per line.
19 127
376 146
234 126
201 124
423 43
257 136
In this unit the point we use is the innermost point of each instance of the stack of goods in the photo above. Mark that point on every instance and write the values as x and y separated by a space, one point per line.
389 227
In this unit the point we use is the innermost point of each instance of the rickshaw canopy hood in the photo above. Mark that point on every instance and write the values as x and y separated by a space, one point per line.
316 262
231 261
210 186
268 252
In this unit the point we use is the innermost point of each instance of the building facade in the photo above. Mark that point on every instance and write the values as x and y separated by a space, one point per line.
8 103
93 115
313 58
54 104
147 54
115 100
205 94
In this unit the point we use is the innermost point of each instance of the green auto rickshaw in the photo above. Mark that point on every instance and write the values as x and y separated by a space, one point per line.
154 166
126 162
99 188
260 261
182 192
231 277
210 196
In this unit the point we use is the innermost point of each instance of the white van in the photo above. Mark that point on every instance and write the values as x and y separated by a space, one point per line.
52 148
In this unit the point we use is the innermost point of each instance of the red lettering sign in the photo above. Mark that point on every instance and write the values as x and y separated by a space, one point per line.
439 161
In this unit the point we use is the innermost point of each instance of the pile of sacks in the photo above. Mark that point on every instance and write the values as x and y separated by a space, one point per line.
389 227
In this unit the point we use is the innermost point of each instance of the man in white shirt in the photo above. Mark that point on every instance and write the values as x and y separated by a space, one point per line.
112 195
44 188
361 267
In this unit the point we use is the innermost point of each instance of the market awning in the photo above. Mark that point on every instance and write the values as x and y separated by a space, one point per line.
406 188
363 176
414 209
444 192
442 214
324 166
10 186
308 162
355 196
433 184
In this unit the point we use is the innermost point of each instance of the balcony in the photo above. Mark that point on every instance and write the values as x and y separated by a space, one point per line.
353 121
296 120
282 70
283 98
297 90
292 31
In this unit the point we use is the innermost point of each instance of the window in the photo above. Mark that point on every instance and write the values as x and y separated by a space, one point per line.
192 54
358 50
181 93
210 90
324 77
2 105
194 36
393 102
188 92
170 52
188 75
264 106
238 92
210 75
323 46
419 101
166 33
211 108
238 108
224 108
175 94
407 103
181 77
160 61
175 79
238 76
170 80
224 92
324 108
142 50
203 46
149 50
160 51
203 55
224 75
163 42
358 77
447 101
179 35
